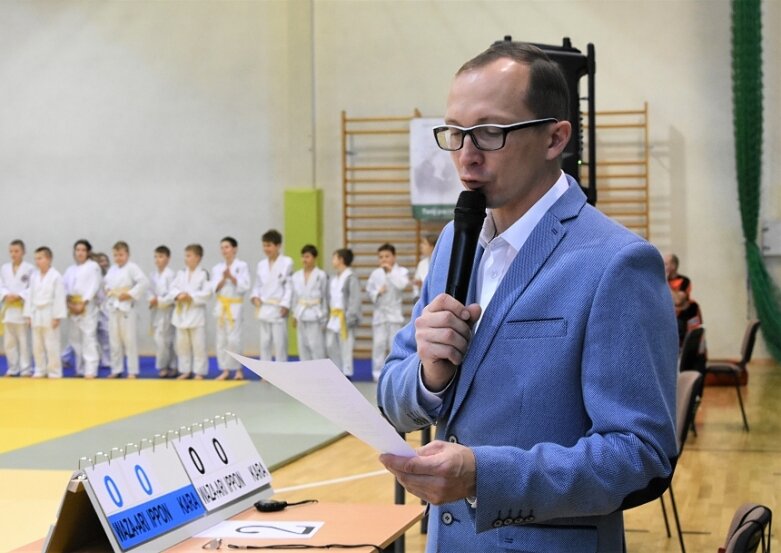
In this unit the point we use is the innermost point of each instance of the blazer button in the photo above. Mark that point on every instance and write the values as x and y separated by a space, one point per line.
518 520
452 439
508 521
529 518
447 518
497 523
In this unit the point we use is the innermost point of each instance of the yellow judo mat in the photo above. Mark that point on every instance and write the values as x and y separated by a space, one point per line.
36 410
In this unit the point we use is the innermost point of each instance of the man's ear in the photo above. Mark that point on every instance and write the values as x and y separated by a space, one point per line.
559 138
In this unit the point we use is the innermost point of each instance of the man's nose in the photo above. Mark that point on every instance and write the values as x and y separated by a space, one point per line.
469 153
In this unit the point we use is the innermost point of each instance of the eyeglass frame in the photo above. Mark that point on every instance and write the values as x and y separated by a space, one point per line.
468 131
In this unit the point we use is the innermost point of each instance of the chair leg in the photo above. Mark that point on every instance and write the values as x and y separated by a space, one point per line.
740 400
677 520
664 514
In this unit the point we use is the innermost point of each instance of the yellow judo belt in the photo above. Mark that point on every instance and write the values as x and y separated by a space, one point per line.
17 303
227 313
272 301
181 305
339 313
74 298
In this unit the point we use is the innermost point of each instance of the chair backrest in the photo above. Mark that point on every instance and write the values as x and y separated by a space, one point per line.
749 337
686 400
690 358
749 531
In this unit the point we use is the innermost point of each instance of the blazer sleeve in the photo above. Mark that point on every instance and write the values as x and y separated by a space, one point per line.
628 382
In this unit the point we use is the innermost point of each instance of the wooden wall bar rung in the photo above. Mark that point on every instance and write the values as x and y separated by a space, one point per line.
621 189
617 113
378 168
610 176
371 216
387 192
379 119
377 180
356 205
616 126
617 162
380 132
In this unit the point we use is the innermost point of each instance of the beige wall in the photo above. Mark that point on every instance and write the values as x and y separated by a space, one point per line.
180 121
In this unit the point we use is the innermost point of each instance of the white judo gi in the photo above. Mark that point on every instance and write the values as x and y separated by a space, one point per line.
386 292
272 287
16 333
310 309
122 317
344 297
189 318
163 331
82 283
228 311
45 303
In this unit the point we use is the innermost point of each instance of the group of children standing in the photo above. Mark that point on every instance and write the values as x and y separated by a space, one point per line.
100 303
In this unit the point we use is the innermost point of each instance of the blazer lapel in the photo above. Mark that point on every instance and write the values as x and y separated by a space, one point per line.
533 255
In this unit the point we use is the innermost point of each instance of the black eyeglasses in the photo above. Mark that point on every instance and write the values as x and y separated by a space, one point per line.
485 137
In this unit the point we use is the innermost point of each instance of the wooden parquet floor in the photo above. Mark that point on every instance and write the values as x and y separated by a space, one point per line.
721 467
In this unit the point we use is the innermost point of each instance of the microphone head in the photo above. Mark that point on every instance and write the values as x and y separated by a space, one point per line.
471 199
470 211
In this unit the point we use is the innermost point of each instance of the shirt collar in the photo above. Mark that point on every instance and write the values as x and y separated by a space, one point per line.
517 234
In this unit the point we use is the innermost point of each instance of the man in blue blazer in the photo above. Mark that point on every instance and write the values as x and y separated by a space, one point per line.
553 389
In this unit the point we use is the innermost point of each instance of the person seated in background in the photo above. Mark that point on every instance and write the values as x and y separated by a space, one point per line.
676 281
687 311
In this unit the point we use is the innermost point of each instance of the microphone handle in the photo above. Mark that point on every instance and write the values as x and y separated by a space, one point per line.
461 262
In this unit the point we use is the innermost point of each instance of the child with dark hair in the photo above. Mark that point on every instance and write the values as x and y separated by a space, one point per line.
271 297
385 288
345 301
161 309
310 305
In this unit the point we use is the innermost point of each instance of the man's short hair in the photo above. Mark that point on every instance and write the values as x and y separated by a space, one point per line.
346 255
45 250
163 250
674 259
83 242
19 243
273 236
197 249
121 245
310 249
387 247
431 238
230 240
548 93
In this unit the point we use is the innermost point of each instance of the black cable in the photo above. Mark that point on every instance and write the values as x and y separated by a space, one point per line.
273 505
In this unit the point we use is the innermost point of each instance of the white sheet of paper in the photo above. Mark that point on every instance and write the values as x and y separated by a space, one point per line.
263 529
321 386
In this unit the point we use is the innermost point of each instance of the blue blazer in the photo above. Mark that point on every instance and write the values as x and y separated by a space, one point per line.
566 394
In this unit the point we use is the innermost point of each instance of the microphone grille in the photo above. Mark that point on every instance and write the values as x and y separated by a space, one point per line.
471 199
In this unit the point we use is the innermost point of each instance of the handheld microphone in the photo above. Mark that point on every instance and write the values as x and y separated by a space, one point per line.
468 221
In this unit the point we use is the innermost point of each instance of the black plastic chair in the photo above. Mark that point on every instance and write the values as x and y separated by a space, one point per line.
735 368
691 358
750 530
689 382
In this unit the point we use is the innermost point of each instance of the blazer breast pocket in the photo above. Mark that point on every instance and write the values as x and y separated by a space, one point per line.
533 328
